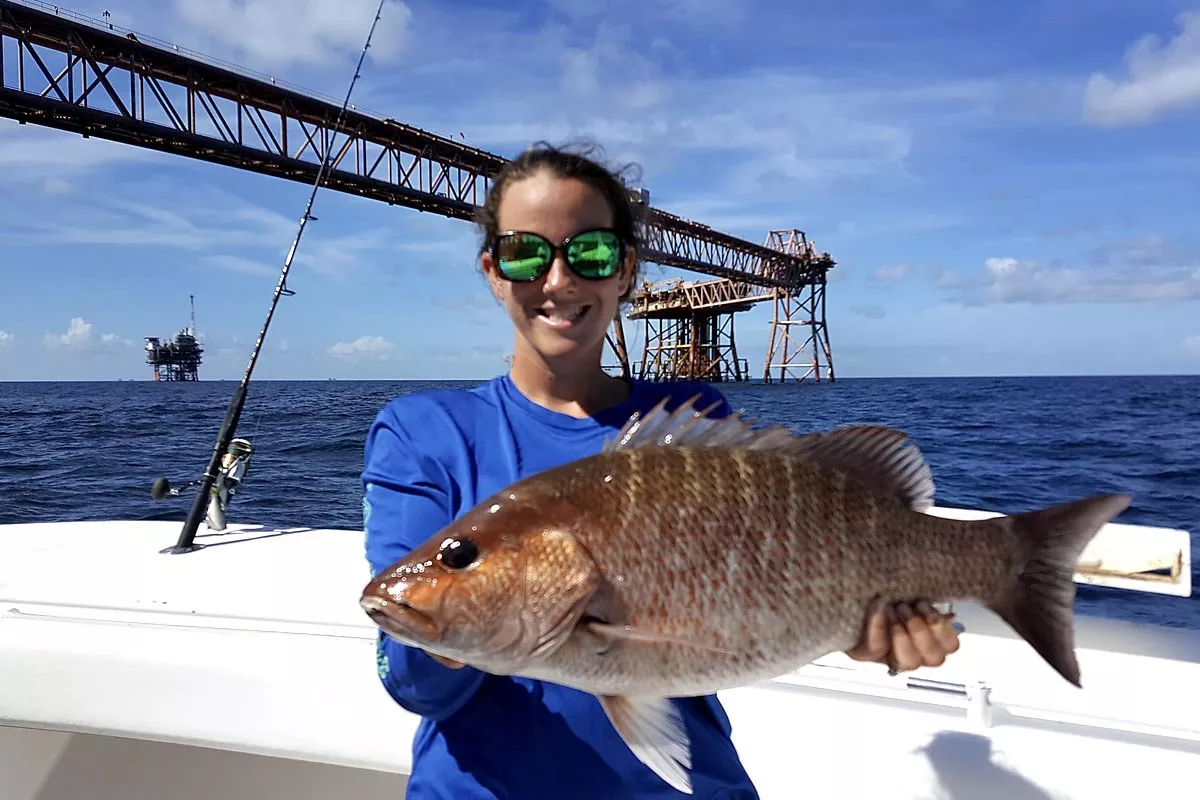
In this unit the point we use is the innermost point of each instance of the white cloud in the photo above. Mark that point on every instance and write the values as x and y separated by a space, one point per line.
78 335
56 186
363 348
1163 78
871 311
215 221
1150 251
79 339
699 13
7 339
758 132
1011 280
278 34
891 273
49 156
239 264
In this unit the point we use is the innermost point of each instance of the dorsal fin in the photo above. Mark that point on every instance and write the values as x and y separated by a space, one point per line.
688 427
883 458
880 457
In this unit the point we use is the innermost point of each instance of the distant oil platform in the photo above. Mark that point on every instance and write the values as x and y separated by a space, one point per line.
179 359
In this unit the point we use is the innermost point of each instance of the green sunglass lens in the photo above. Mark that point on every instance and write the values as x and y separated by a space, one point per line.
523 258
595 254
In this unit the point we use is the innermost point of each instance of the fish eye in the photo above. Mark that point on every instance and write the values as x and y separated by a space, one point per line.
459 553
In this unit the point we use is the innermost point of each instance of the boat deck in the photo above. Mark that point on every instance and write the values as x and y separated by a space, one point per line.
255 645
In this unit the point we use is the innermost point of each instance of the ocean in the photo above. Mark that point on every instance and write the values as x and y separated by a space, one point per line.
71 451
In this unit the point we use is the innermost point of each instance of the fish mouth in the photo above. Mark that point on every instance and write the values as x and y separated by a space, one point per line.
401 621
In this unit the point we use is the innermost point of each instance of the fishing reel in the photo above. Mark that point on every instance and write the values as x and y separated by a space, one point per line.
235 464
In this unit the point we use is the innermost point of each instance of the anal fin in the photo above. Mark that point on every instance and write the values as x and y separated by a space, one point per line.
653 729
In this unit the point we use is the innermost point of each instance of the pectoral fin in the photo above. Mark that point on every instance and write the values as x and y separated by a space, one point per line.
610 633
653 729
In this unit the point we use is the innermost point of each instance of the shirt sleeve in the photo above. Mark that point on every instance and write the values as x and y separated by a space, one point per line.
408 497
722 409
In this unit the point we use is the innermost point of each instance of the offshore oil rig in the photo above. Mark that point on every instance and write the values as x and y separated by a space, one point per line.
179 359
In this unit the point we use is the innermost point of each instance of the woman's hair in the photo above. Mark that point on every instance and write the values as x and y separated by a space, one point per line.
567 162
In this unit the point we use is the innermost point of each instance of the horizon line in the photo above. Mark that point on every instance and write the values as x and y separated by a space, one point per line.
751 381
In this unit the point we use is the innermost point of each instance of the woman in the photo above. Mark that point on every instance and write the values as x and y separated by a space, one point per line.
433 455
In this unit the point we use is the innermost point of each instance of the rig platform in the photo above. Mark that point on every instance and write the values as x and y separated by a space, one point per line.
690 331
178 359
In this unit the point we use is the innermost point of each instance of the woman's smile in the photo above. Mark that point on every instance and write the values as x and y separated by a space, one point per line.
562 317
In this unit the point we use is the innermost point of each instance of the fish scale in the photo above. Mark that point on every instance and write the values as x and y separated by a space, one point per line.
693 555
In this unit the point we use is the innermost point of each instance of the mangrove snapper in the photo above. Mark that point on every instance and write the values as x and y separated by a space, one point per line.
696 554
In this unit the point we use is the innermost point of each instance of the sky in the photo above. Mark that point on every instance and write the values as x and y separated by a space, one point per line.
1007 189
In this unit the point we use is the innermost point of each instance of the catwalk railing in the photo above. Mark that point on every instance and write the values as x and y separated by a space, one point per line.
78 74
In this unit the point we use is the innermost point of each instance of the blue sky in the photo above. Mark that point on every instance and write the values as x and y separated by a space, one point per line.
1007 188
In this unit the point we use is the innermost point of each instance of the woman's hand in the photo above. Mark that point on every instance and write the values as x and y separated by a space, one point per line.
906 637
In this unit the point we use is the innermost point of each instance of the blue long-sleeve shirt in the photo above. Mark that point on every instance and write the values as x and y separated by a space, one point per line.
430 457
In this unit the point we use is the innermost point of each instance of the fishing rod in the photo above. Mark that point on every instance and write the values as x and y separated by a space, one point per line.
187 536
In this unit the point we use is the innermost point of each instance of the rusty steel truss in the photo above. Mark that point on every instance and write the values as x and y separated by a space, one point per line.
76 74
689 325
689 329
698 347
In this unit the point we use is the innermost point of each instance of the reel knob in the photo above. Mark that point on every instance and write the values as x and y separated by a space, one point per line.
160 489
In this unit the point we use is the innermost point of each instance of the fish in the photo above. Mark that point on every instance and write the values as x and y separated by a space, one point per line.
694 554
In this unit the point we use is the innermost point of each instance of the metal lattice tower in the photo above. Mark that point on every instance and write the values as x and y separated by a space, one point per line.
690 331
798 307
689 325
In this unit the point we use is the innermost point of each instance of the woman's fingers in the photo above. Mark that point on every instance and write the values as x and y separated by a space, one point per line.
922 637
875 644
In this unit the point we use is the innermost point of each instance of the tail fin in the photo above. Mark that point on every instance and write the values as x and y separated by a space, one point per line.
1040 604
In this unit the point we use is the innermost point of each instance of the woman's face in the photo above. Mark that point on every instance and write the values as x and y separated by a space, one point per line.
560 317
